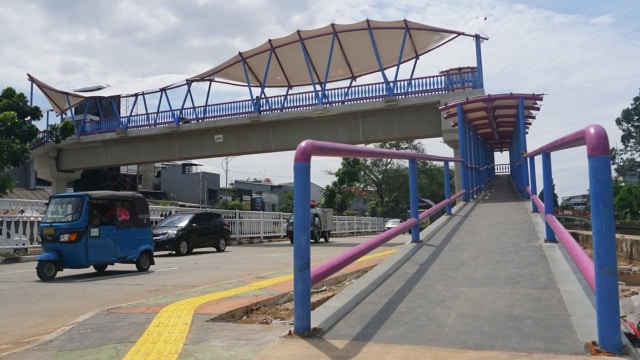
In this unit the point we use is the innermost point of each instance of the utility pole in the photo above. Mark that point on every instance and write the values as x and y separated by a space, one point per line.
225 166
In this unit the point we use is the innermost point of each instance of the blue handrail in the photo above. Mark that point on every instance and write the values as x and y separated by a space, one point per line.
304 277
601 273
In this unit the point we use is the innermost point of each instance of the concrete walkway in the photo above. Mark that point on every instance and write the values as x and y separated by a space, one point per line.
483 285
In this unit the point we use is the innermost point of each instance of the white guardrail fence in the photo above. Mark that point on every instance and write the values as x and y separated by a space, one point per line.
19 221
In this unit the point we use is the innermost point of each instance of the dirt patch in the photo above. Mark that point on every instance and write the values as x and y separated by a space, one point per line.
279 310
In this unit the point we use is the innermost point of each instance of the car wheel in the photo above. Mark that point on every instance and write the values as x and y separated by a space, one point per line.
182 248
46 270
222 245
143 263
100 268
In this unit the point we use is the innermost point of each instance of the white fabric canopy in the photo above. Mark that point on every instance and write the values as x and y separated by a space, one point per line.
353 53
58 98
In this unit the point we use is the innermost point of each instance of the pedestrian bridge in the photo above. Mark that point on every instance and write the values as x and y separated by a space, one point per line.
485 278
354 84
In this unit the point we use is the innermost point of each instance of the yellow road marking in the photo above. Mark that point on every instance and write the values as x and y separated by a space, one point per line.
166 335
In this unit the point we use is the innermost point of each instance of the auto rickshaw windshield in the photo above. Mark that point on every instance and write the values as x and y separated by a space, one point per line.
64 209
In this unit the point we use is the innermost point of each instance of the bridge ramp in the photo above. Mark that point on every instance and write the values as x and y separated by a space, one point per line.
482 282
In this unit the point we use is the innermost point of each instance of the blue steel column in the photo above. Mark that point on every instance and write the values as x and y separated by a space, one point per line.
483 168
413 199
476 160
447 185
547 187
479 62
301 247
523 147
532 175
511 163
462 145
515 155
604 254
472 163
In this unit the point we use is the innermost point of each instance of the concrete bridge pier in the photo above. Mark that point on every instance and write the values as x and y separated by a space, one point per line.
450 137
46 168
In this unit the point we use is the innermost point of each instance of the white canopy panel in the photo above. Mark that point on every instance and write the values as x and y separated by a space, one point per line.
149 84
284 61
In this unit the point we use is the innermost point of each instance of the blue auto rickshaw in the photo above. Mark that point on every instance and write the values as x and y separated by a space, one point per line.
95 228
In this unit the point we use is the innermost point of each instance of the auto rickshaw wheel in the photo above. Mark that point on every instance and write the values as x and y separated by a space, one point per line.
182 248
143 263
316 237
47 270
100 267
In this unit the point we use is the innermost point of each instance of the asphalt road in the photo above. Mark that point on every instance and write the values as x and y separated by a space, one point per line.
31 309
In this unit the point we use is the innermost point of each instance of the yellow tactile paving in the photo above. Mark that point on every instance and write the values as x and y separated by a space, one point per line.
167 333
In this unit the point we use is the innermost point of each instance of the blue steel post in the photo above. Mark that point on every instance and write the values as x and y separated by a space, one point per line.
604 254
413 198
447 185
532 175
479 62
547 187
301 248
522 128
478 161
514 156
472 159
462 145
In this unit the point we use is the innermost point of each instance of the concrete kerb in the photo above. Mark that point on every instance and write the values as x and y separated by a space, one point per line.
18 259
327 315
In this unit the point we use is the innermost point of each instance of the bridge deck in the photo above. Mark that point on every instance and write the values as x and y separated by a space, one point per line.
484 281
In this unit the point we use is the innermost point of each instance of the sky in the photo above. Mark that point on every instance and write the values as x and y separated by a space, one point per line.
582 55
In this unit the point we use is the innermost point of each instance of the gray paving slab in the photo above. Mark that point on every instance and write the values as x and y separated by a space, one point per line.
481 282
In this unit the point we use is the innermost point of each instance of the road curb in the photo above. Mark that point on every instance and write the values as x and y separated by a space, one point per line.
18 259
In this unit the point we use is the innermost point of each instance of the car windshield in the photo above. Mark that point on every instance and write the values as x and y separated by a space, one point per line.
64 209
393 222
175 220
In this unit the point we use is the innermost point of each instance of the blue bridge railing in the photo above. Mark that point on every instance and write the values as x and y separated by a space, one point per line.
465 79
601 273
304 277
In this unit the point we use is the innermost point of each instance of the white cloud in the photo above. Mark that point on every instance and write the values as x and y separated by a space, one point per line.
582 56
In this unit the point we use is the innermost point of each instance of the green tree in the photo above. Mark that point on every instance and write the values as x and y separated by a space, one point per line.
286 202
627 203
340 193
11 100
384 182
235 204
378 175
15 138
57 133
627 158
556 204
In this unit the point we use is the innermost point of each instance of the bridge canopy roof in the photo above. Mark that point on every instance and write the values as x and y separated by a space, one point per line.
62 100
331 53
494 116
